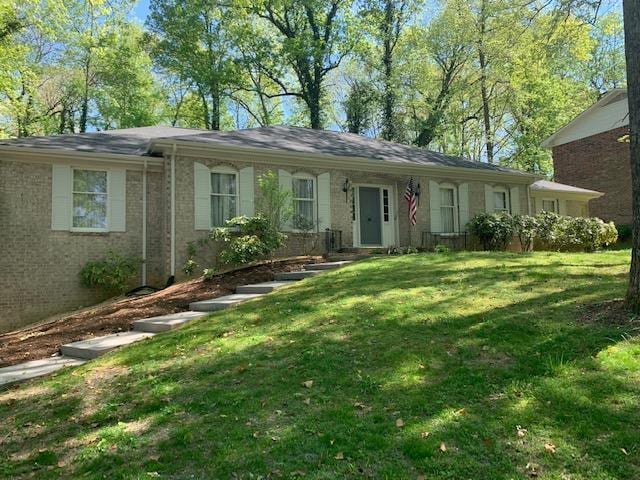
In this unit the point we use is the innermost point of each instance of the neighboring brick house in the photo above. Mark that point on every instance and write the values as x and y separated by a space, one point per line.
147 192
588 153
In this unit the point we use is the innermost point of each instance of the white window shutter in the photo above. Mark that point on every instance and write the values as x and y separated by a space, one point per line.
514 194
202 196
285 181
562 206
463 206
117 200
247 192
489 200
61 197
434 207
324 201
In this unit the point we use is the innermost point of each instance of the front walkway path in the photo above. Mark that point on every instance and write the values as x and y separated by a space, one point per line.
77 353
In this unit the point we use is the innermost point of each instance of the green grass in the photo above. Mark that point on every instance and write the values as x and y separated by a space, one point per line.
464 349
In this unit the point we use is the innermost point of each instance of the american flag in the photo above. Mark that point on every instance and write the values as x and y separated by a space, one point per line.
412 202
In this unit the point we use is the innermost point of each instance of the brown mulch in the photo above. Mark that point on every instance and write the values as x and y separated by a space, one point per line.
44 340
611 312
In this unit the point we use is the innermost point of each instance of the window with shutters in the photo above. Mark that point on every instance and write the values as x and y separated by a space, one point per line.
448 209
549 205
304 198
500 200
224 196
90 200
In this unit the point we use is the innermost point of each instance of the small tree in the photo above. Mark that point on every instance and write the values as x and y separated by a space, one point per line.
525 227
308 233
274 203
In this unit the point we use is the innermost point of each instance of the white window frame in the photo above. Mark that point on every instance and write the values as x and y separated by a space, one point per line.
507 200
555 204
226 171
455 207
73 192
314 200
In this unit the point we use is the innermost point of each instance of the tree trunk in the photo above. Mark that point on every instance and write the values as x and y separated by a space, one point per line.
313 102
482 58
632 47
84 107
215 105
388 130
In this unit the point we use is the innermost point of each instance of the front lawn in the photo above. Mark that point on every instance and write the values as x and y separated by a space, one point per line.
471 365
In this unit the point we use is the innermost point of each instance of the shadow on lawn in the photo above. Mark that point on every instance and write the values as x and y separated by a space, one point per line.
224 396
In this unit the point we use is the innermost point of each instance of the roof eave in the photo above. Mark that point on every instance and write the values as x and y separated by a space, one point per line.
204 149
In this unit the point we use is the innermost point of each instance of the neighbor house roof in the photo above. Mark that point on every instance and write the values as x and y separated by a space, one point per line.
338 144
554 187
608 113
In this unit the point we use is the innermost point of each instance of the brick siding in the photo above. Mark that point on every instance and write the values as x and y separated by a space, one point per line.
599 163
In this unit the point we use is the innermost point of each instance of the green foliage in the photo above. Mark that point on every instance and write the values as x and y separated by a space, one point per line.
557 232
526 228
624 232
245 239
494 230
441 249
273 202
111 274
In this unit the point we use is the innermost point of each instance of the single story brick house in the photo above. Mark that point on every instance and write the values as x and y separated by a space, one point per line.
147 192
590 152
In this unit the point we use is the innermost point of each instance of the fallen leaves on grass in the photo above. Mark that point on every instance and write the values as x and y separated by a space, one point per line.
339 456
425 434
443 447
308 384
550 447
399 423
521 432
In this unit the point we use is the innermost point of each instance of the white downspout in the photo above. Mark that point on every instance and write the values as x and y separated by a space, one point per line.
173 210
144 223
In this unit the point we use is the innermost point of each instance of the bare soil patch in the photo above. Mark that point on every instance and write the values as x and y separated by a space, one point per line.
611 312
44 340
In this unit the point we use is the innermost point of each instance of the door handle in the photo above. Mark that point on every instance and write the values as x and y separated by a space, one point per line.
369 219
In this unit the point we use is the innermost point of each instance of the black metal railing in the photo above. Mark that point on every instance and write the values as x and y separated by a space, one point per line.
453 241
333 240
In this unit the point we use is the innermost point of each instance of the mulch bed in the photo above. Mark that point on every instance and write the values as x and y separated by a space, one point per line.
612 312
44 340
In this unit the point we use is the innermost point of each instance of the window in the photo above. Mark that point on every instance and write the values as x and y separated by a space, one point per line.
501 203
448 209
385 204
224 196
89 199
549 205
303 203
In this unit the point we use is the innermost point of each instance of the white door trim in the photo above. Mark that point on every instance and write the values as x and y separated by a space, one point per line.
389 227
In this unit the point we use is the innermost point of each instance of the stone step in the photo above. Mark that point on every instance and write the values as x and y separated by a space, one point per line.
221 303
97 347
165 322
326 265
296 275
264 287
35 368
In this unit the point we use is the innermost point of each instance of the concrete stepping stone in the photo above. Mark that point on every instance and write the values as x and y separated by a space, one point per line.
296 275
264 287
221 303
97 347
327 265
165 322
35 368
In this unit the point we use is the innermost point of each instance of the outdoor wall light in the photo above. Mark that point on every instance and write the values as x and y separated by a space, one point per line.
346 186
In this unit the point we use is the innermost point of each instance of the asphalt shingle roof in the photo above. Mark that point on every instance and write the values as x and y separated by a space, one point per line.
560 187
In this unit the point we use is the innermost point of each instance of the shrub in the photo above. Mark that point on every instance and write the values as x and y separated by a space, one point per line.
245 239
551 229
526 228
575 233
442 249
624 232
494 230
112 274
273 202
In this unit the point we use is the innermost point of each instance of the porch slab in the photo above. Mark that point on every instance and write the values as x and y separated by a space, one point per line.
35 368
96 347
221 303
327 265
301 275
264 287
165 322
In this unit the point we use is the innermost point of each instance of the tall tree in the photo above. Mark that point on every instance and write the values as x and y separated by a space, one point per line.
312 41
192 41
632 47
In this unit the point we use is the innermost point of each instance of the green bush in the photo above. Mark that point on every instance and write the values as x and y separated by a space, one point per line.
112 274
493 230
526 228
624 232
562 233
245 239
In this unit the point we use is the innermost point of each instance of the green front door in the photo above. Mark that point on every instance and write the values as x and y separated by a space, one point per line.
370 218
